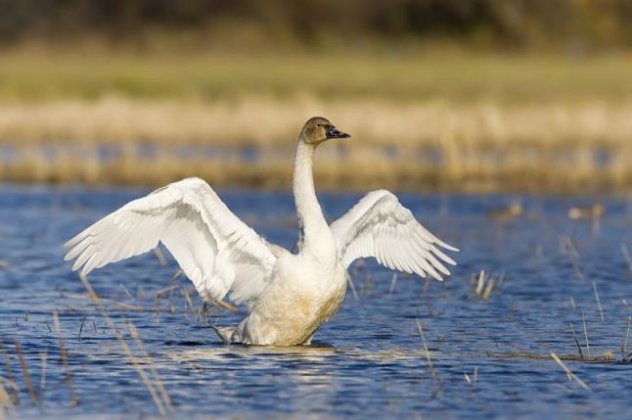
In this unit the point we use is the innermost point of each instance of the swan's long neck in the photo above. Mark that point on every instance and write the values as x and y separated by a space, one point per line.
315 233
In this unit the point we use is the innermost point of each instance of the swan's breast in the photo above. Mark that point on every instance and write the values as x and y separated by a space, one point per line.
302 296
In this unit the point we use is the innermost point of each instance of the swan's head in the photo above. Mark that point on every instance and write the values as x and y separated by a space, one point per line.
318 129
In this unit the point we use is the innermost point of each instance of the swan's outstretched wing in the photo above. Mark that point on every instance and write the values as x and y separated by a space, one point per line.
214 248
379 226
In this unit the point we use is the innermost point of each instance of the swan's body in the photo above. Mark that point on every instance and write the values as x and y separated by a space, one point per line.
289 295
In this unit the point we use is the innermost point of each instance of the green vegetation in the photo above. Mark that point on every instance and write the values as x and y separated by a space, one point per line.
577 25
30 76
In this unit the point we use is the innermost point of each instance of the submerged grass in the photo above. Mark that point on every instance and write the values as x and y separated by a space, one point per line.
63 354
155 387
25 371
571 376
136 356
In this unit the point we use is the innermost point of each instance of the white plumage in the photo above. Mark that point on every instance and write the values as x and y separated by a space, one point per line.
289 295
379 226
215 249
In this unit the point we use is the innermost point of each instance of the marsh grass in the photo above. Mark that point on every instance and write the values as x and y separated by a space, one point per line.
26 375
5 400
152 381
431 164
63 354
435 121
624 346
178 300
51 73
571 376
423 341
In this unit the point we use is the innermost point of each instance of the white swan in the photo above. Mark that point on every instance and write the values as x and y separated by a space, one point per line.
289 295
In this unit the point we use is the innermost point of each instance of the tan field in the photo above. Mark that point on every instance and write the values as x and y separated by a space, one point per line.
533 124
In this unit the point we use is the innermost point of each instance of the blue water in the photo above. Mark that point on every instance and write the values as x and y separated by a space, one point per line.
369 359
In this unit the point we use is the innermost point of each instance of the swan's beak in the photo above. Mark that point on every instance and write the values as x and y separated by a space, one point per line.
334 133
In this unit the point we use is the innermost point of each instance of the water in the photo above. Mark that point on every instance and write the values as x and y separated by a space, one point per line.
369 359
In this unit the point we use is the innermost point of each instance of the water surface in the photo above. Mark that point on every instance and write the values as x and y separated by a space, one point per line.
486 357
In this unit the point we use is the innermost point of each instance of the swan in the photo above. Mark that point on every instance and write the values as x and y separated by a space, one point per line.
288 295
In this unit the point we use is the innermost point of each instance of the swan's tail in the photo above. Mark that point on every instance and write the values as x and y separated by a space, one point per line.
228 335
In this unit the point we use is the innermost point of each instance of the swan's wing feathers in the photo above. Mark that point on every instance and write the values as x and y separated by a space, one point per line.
214 248
379 226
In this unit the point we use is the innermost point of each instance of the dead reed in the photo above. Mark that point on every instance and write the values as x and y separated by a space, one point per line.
150 363
7 360
479 147
6 403
43 364
579 347
428 358
63 354
586 334
473 378
626 255
624 347
160 397
598 300
569 373
269 121
25 371
606 357
484 284
534 123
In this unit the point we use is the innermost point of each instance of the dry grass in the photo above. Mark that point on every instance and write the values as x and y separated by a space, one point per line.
272 122
25 371
442 122
571 376
63 354
431 145
152 381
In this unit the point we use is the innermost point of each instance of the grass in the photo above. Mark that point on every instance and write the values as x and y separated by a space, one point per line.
463 157
154 387
475 123
29 74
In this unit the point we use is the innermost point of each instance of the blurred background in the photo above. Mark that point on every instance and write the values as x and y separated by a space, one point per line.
439 95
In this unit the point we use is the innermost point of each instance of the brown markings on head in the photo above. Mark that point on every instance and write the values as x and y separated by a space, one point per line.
318 129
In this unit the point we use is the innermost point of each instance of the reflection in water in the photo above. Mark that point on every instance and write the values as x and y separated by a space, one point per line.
372 359
303 353
316 353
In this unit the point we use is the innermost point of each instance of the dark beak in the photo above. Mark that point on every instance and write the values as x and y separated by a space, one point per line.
334 133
